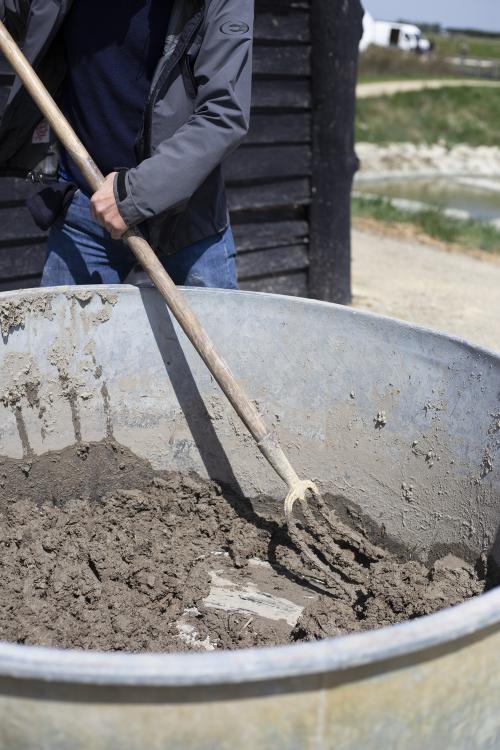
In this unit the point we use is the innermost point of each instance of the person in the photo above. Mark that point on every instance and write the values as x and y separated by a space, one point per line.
159 93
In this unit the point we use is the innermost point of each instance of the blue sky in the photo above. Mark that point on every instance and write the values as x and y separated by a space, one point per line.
477 14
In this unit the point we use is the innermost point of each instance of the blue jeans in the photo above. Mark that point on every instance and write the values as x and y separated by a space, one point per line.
80 251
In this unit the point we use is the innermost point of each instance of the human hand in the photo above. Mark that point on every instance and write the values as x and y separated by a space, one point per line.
104 208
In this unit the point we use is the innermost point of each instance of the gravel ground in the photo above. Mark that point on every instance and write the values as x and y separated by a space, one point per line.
447 291
419 158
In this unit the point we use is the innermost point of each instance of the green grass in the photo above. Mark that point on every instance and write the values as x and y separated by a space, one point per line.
382 63
455 115
471 235
467 46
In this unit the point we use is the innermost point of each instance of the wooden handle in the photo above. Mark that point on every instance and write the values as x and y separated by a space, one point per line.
141 249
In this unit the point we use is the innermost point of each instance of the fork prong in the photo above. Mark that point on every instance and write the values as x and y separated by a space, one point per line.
337 544
340 531
332 576
338 558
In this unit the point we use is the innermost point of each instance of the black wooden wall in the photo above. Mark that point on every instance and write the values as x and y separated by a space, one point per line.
22 244
268 178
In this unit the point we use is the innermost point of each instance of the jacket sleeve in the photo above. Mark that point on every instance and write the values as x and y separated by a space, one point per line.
223 71
14 14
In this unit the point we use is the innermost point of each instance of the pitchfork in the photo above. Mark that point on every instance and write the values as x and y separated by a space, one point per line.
298 489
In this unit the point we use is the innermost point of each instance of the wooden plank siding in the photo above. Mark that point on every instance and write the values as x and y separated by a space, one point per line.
268 178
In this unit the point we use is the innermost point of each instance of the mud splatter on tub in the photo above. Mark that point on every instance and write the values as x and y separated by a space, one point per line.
13 311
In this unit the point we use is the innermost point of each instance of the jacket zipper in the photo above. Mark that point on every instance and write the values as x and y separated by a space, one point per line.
188 77
187 36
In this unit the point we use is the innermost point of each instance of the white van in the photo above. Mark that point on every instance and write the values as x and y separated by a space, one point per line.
405 36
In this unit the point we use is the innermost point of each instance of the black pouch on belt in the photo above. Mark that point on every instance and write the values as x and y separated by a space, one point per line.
47 205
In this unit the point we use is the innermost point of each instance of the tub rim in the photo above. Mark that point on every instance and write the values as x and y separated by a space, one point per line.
176 670
126 289
254 664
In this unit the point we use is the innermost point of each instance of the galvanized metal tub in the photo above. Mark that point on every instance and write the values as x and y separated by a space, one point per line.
109 361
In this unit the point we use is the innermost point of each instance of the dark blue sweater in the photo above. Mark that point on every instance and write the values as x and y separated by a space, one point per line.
112 50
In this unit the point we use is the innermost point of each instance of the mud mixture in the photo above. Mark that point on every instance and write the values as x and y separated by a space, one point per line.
178 563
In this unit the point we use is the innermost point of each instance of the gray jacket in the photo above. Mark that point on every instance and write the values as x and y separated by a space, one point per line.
197 113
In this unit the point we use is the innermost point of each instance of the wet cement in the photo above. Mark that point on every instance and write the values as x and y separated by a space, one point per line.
99 552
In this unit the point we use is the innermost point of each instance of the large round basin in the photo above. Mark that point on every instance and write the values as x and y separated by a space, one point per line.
109 362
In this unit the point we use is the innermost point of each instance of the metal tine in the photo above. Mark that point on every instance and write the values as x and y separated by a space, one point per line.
342 531
335 542
332 577
336 557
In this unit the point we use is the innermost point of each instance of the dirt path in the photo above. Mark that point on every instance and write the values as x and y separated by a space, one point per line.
388 88
447 291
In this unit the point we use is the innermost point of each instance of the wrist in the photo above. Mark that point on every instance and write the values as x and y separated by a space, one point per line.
125 203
